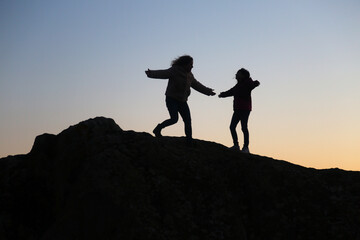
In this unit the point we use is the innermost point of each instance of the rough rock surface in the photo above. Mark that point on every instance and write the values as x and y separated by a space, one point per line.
96 181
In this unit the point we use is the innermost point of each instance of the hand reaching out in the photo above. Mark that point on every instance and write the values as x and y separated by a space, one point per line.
211 92
147 72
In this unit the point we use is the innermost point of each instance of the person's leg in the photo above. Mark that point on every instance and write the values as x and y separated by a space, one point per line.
234 122
173 108
184 111
244 127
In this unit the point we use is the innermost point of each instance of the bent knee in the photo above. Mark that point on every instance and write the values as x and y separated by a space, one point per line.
174 120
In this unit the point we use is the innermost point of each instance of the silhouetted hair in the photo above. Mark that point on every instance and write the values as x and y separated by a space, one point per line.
244 72
182 61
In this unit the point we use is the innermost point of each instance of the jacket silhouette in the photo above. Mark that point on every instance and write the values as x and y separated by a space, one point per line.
242 94
179 83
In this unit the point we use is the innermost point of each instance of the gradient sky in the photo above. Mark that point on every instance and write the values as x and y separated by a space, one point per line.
62 62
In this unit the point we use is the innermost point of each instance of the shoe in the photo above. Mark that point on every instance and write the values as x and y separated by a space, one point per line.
157 131
235 148
245 150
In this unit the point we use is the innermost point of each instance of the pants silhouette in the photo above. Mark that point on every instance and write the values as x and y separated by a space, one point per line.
175 107
243 117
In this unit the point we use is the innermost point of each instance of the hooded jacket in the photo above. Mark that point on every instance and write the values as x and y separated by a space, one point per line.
179 82
242 94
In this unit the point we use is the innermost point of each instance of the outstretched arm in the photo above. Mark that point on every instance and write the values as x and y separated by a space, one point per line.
228 93
161 74
201 88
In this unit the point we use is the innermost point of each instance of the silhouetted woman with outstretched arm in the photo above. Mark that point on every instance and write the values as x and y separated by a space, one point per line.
177 92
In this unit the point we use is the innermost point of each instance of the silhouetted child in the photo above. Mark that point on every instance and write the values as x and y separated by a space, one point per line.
177 92
242 106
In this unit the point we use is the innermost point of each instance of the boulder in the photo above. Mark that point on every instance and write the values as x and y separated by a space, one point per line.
97 181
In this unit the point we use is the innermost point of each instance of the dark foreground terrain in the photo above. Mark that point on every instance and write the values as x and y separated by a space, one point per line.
96 181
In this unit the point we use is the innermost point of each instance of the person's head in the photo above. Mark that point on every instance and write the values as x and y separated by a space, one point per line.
184 61
242 74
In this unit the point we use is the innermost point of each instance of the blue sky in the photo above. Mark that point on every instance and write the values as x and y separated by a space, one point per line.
62 62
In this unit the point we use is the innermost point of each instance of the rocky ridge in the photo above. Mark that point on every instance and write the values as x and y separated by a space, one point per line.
97 181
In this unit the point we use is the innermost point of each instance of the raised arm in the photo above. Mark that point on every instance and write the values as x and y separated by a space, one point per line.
254 84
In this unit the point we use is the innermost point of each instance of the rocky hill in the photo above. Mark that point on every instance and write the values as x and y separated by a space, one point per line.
96 181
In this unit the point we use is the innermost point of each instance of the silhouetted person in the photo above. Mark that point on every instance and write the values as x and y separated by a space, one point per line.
242 106
177 92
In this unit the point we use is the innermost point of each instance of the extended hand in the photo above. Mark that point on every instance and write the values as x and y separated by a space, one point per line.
147 72
212 93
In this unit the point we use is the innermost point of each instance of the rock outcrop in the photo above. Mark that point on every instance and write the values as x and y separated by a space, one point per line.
96 181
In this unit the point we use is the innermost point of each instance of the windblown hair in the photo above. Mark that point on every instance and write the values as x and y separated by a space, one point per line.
245 72
182 61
